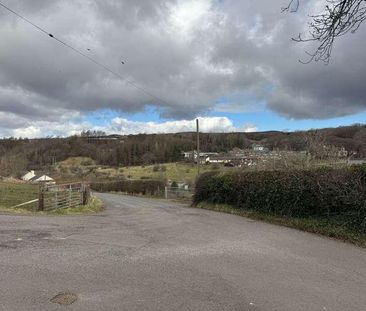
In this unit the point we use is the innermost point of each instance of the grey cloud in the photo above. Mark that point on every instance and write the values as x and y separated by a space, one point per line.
236 48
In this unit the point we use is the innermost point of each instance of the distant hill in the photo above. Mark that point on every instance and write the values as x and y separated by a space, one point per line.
17 155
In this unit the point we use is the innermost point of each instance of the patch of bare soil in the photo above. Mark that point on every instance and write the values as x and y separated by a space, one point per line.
64 299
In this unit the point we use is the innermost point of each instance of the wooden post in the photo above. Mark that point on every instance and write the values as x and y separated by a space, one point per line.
86 194
41 197
56 199
166 192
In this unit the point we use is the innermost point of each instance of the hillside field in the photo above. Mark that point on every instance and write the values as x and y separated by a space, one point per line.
84 168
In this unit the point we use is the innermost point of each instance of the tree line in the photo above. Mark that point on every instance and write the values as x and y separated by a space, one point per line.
20 154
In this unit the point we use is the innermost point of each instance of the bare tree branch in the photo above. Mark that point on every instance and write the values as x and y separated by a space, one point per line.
339 18
292 6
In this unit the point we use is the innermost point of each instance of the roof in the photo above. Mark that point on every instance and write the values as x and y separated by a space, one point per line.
41 178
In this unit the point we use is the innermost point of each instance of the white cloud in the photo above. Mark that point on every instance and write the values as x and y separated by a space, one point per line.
207 124
249 127
187 15
124 127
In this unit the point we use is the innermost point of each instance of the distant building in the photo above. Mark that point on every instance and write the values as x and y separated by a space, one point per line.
192 155
28 176
259 148
218 159
42 179
188 154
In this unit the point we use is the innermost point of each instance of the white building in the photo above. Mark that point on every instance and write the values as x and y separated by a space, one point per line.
218 159
29 176
190 155
259 148
44 179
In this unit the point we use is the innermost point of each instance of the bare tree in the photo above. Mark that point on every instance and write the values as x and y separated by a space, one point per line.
339 18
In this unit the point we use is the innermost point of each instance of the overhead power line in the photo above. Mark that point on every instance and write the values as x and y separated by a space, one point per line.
141 89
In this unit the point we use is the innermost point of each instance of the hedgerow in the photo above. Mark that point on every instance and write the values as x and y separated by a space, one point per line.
337 195
144 187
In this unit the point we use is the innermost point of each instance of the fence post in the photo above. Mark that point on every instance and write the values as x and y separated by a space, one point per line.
86 193
41 197
166 192
56 199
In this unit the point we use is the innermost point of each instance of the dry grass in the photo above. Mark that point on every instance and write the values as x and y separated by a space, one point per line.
179 172
80 168
77 161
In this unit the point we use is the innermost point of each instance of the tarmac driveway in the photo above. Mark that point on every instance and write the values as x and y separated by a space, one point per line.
147 254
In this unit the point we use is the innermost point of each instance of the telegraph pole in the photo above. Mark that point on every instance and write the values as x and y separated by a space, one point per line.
198 146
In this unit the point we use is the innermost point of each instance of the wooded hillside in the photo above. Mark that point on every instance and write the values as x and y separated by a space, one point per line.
17 155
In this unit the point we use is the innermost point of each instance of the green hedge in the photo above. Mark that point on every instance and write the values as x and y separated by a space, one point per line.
144 187
335 195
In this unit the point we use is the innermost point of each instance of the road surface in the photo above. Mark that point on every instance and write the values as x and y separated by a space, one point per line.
147 254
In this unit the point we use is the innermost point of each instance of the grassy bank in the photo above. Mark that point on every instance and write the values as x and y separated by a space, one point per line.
313 225
94 206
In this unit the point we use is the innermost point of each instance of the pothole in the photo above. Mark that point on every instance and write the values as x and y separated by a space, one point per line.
64 299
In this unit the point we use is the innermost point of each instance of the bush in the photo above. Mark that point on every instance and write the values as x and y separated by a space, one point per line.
86 162
335 195
144 187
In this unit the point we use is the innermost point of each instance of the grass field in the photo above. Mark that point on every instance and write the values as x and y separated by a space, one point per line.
12 194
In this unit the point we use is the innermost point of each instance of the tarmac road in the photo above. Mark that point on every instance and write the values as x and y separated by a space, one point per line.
147 254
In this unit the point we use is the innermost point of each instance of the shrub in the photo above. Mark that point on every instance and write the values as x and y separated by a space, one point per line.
86 162
150 187
333 194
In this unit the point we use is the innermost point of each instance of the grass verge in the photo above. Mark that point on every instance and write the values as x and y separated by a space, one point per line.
94 206
317 226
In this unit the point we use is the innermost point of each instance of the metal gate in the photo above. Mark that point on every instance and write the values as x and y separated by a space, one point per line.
63 196
178 193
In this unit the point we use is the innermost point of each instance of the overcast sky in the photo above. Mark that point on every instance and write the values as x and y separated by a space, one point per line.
232 63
